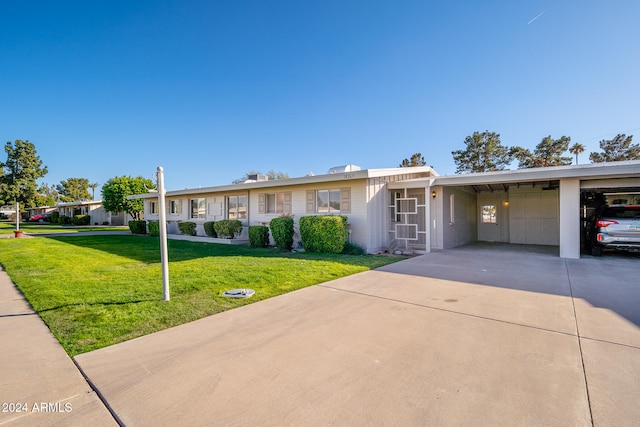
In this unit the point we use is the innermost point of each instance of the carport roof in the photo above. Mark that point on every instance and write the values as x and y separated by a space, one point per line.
623 169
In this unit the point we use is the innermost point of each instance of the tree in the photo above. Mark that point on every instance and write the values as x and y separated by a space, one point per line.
272 175
74 189
415 160
93 187
547 153
20 172
576 149
47 195
617 149
484 153
116 190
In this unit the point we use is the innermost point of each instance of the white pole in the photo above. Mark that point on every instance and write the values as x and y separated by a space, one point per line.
17 216
164 258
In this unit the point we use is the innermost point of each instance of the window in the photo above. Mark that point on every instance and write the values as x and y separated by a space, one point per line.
452 209
275 203
237 207
153 208
328 201
489 214
175 206
198 207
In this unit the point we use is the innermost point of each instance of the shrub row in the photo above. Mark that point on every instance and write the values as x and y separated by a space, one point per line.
154 228
81 220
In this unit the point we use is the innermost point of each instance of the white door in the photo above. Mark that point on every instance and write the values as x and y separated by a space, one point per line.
493 222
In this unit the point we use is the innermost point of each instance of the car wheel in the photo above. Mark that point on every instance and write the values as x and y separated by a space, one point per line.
596 250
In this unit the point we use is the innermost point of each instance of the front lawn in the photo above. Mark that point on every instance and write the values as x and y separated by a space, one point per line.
94 291
45 227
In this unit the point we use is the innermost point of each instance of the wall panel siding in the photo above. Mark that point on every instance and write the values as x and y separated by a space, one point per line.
534 216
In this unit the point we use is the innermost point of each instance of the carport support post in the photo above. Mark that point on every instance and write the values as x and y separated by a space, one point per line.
164 259
570 218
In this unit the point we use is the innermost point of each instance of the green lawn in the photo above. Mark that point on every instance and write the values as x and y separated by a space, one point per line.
94 291
45 227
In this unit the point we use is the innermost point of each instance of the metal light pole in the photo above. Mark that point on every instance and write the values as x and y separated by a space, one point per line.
164 258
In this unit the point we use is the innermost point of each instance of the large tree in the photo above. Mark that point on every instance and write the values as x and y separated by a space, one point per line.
74 189
549 152
416 160
47 195
617 149
116 190
484 153
576 149
19 173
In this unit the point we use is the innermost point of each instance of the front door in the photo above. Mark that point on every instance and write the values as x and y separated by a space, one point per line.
493 218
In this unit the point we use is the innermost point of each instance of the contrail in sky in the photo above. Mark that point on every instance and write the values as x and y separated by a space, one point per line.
538 16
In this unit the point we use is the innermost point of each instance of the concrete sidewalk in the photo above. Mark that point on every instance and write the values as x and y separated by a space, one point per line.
39 385
471 336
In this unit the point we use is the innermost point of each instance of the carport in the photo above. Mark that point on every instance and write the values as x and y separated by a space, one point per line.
541 206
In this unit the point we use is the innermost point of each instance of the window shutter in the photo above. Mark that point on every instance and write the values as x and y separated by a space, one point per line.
287 203
345 200
311 201
261 203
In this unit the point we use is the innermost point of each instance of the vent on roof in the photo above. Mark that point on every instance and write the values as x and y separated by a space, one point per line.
257 177
345 168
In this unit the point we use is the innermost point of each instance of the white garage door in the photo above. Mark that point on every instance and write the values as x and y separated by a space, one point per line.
533 216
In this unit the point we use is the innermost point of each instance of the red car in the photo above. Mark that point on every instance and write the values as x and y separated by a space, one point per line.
37 218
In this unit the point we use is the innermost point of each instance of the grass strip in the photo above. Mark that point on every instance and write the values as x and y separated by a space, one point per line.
95 291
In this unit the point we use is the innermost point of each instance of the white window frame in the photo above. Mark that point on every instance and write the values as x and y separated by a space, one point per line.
175 207
153 207
237 213
201 208
329 209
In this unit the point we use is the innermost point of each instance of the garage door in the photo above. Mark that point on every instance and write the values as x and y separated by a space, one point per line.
533 216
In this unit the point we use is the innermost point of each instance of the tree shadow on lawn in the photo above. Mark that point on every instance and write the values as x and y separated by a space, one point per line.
147 249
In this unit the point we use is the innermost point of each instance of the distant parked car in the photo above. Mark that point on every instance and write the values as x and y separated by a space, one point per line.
37 218
615 227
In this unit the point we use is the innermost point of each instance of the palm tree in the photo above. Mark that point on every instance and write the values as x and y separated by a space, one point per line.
576 149
95 184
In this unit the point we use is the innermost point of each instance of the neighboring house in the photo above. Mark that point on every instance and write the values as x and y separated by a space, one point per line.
416 209
93 208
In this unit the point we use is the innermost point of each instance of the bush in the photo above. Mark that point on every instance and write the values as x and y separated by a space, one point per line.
138 226
227 228
209 229
55 217
282 232
81 220
154 228
64 220
327 233
258 236
188 228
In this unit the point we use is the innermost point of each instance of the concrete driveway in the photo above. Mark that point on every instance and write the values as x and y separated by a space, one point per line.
479 335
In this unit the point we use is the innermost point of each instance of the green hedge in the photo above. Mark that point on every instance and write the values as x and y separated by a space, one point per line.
258 236
209 229
327 233
64 220
138 226
154 228
55 217
227 228
188 228
282 232
81 220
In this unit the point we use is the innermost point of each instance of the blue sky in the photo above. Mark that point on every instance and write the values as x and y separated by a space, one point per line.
213 89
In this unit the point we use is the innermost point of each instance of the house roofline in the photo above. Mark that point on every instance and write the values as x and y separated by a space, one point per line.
340 176
587 171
